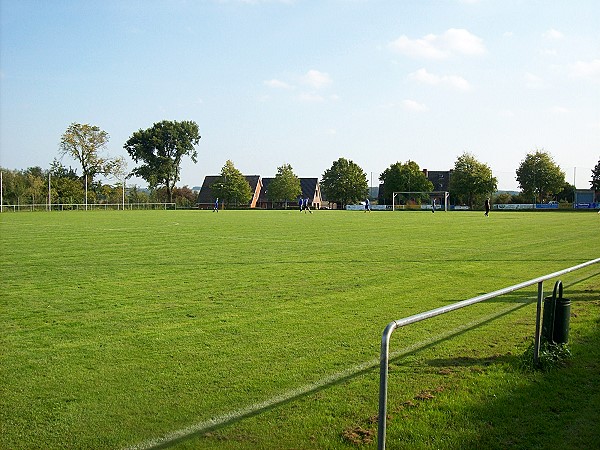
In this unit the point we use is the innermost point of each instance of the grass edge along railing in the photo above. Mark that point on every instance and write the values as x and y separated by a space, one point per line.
389 329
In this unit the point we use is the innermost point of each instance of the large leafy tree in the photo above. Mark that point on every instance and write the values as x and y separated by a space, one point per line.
285 186
539 176
345 182
161 149
232 188
471 181
406 177
84 143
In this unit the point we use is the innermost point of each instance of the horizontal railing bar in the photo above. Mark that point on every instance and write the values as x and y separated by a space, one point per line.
480 298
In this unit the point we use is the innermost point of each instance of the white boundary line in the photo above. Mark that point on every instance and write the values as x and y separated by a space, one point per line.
286 396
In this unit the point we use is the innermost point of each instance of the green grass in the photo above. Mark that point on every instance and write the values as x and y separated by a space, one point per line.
123 327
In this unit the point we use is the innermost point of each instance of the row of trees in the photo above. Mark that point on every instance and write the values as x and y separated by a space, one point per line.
160 149
471 182
540 180
62 185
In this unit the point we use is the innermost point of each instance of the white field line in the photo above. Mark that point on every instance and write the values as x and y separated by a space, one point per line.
293 393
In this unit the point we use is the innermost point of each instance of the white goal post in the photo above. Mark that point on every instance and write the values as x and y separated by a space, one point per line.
441 198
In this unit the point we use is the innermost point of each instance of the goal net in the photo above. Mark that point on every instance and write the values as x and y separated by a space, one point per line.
420 199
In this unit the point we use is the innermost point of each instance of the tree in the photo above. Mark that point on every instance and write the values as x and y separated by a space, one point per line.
471 180
345 182
83 143
539 177
567 193
14 186
406 177
595 181
135 195
285 186
161 149
65 184
36 184
503 198
232 188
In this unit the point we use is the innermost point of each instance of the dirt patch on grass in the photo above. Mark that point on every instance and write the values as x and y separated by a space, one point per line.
359 435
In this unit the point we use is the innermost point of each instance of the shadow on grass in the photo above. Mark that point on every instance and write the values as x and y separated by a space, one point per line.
559 409
527 297
466 361
373 369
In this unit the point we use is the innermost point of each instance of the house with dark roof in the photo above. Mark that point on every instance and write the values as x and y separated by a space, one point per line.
439 178
206 198
310 189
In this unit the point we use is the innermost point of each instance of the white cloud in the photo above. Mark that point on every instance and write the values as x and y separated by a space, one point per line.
533 81
552 35
450 43
277 84
316 79
412 105
589 70
310 98
508 34
506 113
548 52
558 110
453 81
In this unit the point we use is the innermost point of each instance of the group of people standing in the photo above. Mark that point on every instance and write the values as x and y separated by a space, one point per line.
303 205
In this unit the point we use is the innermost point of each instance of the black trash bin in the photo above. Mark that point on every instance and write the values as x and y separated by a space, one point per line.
557 314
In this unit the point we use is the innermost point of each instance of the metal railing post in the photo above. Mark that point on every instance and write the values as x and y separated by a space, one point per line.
384 362
538 315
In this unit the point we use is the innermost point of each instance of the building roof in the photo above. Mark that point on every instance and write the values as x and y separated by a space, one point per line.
309 187
206 196
439 178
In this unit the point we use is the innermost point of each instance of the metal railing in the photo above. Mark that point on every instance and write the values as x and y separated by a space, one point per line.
85 207
389 329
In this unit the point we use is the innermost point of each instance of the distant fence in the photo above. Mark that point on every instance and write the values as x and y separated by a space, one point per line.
88 207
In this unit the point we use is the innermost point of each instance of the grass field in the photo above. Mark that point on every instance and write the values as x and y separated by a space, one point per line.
261 329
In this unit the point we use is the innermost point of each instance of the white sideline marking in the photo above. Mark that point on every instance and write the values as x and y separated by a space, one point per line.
235 415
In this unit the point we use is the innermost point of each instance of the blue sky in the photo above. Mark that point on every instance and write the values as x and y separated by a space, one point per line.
306 82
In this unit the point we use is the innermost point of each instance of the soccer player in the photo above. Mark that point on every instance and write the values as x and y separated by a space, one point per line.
367 207
487 207
306 206
300 203
216 207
